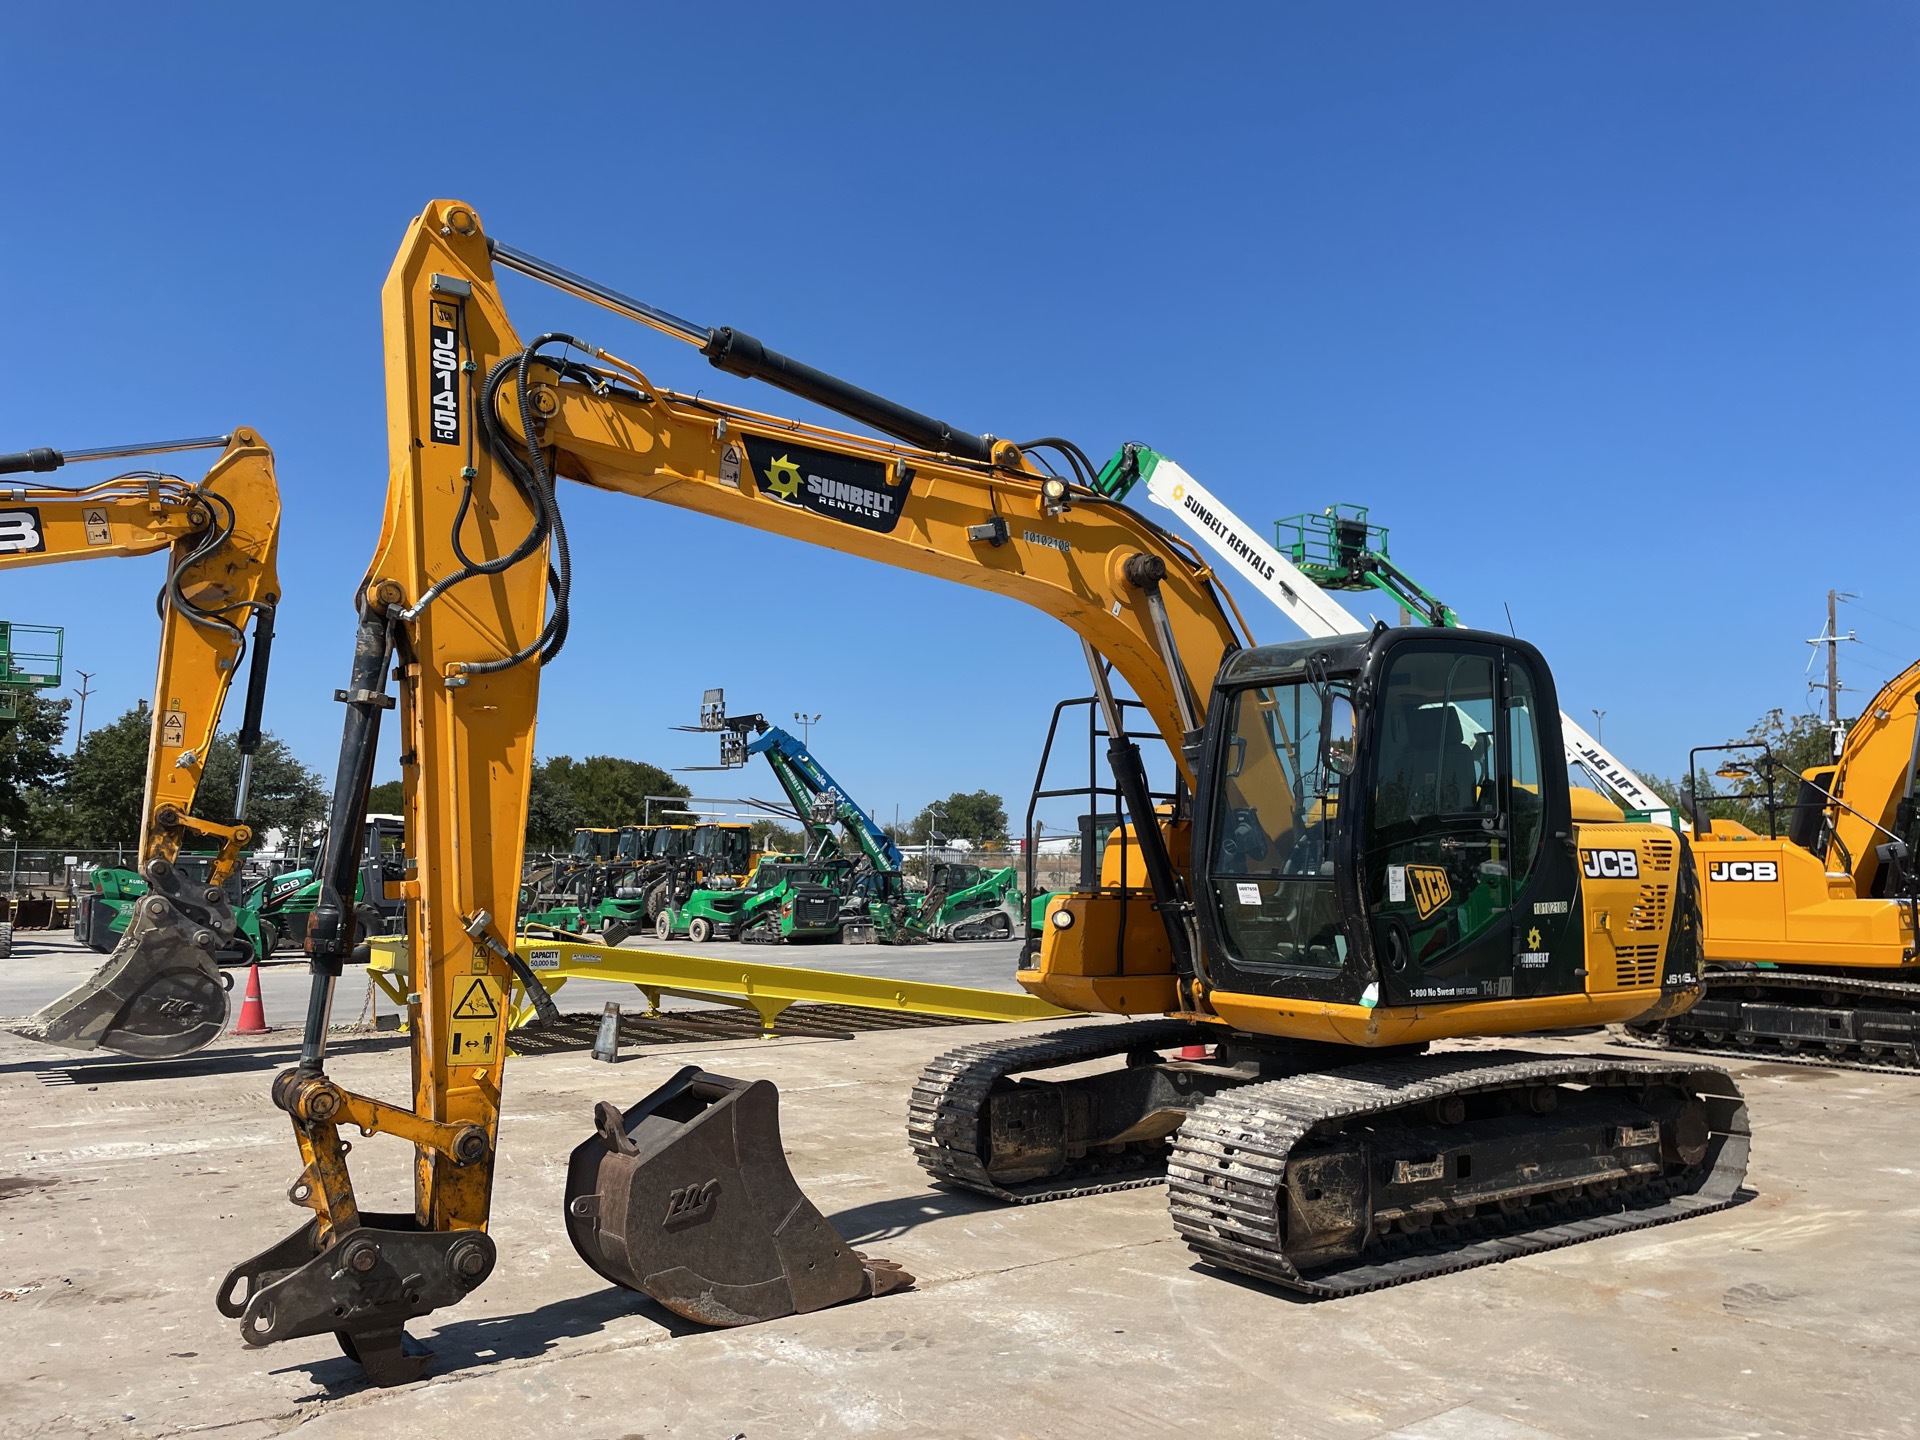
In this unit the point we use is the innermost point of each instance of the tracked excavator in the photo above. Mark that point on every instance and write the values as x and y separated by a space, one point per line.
1809 937
1805 934
1363 853
161 993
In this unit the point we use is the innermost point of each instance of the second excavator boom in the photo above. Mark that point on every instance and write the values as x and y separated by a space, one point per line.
161 993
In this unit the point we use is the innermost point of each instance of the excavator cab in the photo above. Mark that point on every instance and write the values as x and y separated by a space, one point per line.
1372 816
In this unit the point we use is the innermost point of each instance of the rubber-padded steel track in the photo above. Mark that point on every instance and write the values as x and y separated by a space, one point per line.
1687 1031
946 1115
1228 1169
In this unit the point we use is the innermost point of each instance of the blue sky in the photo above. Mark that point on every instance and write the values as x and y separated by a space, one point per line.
1607 309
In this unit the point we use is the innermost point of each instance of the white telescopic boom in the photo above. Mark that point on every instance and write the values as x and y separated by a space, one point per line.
1321 616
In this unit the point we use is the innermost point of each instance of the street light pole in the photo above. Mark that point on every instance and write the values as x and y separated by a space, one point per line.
1600 726
807 722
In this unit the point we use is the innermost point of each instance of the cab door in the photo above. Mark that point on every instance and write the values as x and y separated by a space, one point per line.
1453 821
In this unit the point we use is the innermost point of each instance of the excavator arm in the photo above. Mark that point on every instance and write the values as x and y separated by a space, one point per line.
1870 801
161 994
455 605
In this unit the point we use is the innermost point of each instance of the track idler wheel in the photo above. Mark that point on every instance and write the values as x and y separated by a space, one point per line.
687 1197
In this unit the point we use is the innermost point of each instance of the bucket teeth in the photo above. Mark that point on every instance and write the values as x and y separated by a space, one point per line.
687 1197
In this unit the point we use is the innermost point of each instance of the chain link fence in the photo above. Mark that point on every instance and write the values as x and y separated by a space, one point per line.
26 870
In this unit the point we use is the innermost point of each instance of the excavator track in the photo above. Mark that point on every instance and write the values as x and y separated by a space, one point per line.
1798 1017
1341 1182
947 1114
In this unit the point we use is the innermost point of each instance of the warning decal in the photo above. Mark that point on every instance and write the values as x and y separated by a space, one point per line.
473 1025
173 728
98 531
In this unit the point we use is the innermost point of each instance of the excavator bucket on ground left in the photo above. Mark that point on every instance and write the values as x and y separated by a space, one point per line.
688 1198
161 994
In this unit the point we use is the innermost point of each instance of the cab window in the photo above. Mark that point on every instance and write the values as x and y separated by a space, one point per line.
1433 870
1271 860
1528 798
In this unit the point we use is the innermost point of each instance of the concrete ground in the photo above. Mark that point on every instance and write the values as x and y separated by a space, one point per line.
126 1192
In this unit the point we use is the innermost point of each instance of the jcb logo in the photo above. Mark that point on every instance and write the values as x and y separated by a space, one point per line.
20 532
1430 888
1743 870
1610 864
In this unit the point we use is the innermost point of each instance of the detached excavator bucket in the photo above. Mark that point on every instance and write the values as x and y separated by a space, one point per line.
160 994
687 1197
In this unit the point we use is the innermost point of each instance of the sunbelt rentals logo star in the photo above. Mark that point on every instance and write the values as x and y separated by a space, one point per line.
783 478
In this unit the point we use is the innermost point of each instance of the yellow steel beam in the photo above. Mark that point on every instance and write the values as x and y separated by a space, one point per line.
768 989
765 989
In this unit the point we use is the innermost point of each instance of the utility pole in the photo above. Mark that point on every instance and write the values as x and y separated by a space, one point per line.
1600 726
82 690
807 722
1831 639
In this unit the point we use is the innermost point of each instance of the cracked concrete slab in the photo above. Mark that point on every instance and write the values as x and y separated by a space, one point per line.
124 1198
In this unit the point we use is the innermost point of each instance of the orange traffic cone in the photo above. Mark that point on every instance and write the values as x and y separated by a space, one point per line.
253 1015
1193 1052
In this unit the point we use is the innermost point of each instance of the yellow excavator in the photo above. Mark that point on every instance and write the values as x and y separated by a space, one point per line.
1810 936
1362 851
161 993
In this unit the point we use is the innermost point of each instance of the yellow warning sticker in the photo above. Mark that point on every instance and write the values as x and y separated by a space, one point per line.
473 1026
173 728
99 532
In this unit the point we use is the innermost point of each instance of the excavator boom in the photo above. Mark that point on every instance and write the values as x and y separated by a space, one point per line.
160 993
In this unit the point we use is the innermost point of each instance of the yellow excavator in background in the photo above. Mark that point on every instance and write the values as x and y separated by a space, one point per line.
1810 936
161 992
1362 851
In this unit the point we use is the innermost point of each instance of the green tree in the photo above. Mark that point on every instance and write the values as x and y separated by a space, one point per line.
978 816
389 797
772 835
33 809
552 814
602 790
1733 783
283 793
106 780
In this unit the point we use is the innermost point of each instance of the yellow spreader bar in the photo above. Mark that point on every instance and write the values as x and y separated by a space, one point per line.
765 989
